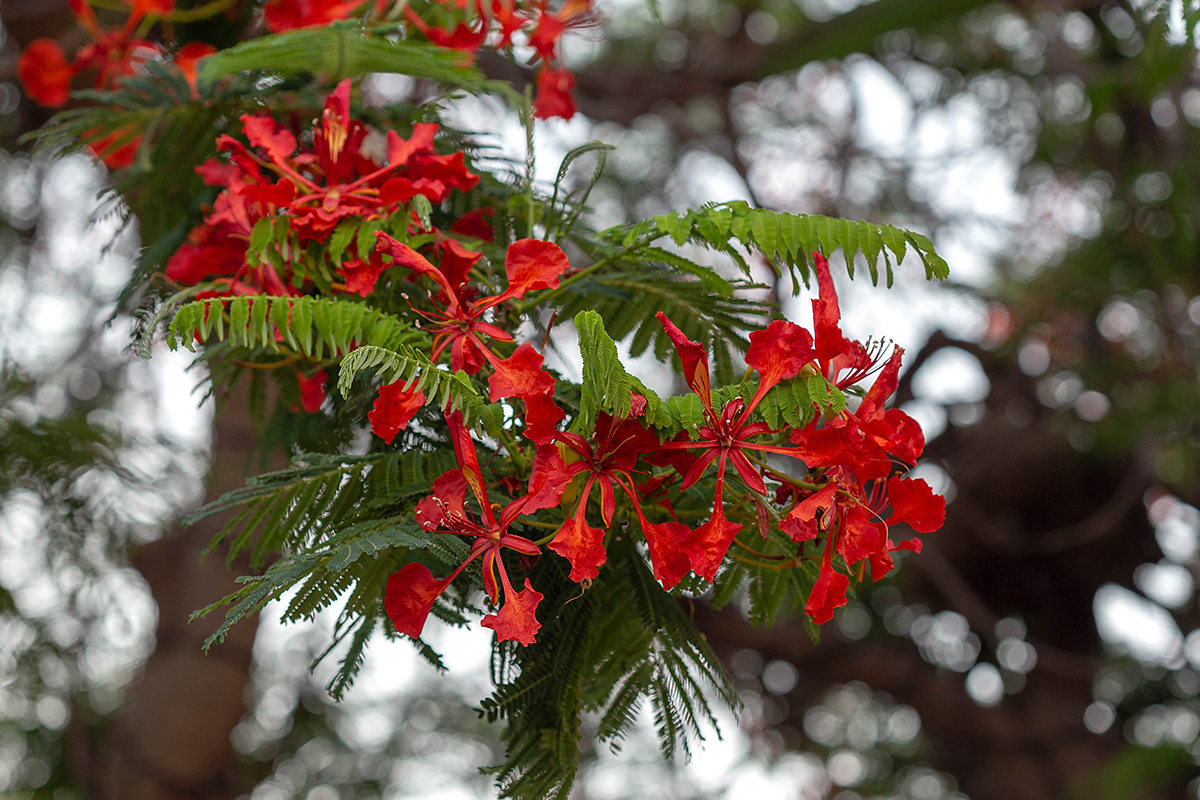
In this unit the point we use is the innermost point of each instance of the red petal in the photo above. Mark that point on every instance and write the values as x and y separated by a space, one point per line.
797 528
456 261
608 500
554 99
780 351
665 542
394 409
747 471
580 543
694 358
546 34
829 341
881 564
44 72
362 275
533 264
160 7
884 386
401 150
520 375
707 545
409 597
548 478
449 170
542 416
188 57
396 190
829 592
264 132
860 537
914 502
907 438
404 256
215 172
517 620
477 223
449 496
312 390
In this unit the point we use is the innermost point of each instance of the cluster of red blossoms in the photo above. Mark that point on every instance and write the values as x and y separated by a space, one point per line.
468 25
851 489
46 72
335 181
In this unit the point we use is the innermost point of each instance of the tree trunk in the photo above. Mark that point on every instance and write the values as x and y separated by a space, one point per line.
170 740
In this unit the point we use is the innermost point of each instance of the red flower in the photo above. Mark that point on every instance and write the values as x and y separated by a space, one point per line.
828 594
464 36
188 58
394 409
44 72
607 460
312 390
529 264
778 352
554 87
412 591
286 15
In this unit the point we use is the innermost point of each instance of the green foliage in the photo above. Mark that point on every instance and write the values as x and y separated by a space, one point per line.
342 49
606 386
789 239
293 507
445 389
590 659
317 328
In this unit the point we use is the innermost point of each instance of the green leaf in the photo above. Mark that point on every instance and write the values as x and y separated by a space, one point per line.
441 387
341 50
606 386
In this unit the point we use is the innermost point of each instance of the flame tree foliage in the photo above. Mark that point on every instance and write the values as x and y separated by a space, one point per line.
300 241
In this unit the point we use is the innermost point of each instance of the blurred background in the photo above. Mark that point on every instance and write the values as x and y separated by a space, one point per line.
1045 645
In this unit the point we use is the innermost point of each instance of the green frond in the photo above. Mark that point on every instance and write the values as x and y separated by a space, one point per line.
447 390
342 49
606 386
294 505
789 239
314 327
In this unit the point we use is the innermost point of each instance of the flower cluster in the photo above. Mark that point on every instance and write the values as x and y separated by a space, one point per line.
466 26
845 490
46 73
309 191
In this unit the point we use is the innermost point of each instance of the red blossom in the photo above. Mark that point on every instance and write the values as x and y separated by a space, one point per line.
394 409
312 390
554 87
529 264
188 58
605 460
828 594
516 620
45 73
412 590
286 15
409 597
